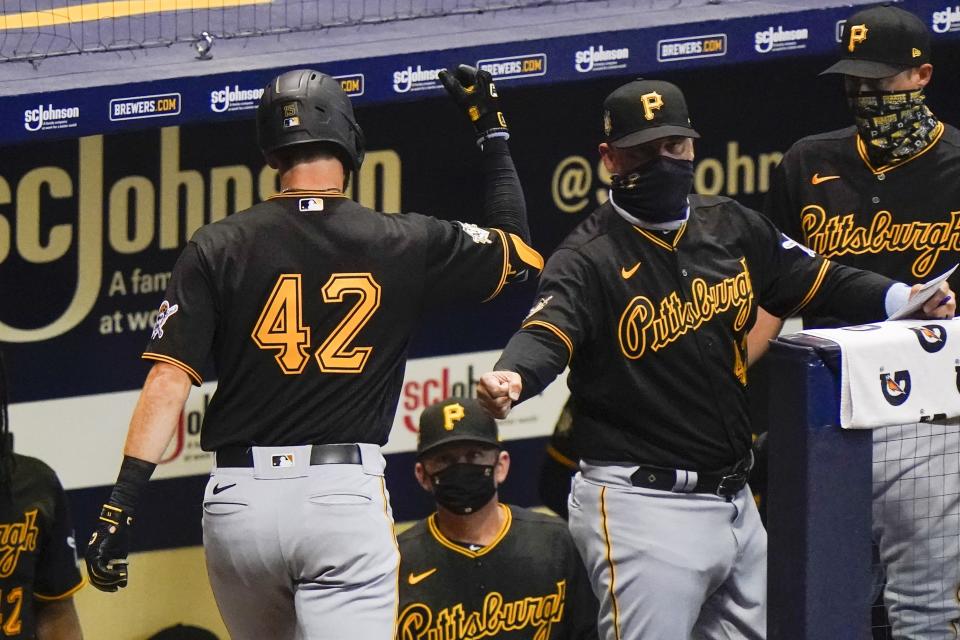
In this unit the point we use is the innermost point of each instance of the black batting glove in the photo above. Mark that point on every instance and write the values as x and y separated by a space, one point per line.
107 549
474 92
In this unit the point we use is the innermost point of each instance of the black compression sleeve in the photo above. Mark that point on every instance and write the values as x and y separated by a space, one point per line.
503 205
134 475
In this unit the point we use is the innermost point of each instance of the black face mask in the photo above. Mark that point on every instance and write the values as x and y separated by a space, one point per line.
463 487
657 192
893 125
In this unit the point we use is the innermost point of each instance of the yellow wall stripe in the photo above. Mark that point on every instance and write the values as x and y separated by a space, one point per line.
613 575
813 290
564 338
197 379
93 11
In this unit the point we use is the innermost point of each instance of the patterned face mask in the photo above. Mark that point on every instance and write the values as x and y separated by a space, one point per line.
894 125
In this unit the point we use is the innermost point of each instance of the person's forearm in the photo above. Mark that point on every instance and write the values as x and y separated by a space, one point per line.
157 414
503 206
538 356
58 620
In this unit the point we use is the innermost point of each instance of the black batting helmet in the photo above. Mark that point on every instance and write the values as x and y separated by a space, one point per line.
303 106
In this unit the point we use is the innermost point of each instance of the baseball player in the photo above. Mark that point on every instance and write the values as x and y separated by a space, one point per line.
38 556
884 195
477 567
306 303
649 301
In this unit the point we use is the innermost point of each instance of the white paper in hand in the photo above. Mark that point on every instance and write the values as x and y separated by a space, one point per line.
926 292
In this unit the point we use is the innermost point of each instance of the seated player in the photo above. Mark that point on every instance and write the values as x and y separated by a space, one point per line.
478 567
39 574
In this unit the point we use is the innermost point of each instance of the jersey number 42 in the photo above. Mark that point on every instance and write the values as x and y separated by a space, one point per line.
281 326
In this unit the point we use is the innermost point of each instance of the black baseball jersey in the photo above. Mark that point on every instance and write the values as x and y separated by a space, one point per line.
307 302
901 220
529 584
38 560
654 327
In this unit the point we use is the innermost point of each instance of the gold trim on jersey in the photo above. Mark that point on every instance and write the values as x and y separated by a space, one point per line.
396 545
613 573
813 289
649 235
564 338
443 540
187 369
64 595
309 193
862 150
506 265
562 459
527 254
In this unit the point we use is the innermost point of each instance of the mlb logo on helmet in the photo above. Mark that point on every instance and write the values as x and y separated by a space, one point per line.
290 117
896 387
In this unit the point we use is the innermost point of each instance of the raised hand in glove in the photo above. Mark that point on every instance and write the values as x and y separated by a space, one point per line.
107 549
474 91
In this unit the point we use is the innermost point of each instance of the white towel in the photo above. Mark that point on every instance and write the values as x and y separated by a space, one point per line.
897 372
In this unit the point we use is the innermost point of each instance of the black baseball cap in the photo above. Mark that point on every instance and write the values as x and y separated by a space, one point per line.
455 420
644 110
882 41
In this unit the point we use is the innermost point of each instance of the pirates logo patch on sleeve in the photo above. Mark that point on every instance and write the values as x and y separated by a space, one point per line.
479 235
790 243
163 314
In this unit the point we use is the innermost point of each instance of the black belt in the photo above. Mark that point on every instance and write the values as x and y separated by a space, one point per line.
723 484
319 454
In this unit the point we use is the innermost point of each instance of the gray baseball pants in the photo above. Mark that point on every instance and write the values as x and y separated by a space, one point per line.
669 566
302 552
916 527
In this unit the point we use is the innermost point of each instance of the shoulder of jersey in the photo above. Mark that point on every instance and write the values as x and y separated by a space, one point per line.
416 531
27 465
819 143
544 521
951 135
594 227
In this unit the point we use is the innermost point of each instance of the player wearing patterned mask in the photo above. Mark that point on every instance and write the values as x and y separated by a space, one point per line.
883 195
649 301
309 336
39 574
476 559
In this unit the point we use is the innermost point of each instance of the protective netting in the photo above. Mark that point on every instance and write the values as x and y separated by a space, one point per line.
916 531
36 29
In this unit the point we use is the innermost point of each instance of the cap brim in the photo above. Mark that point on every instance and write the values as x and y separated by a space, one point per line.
654 133
864 69
454 438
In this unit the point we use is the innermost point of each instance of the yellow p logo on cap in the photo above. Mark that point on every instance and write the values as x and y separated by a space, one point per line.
858 34
651 101
452 414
